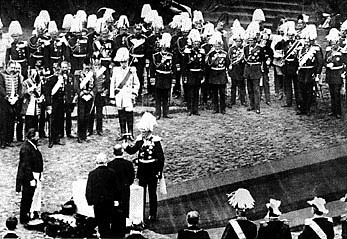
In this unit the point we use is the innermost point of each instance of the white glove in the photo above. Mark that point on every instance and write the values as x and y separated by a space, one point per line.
33 183
152 80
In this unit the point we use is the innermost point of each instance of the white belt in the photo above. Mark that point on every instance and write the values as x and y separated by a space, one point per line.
19 61
137 55
195 70
290 60
163 72
105 59
217 69
79 55
253 63
147 161
55 57
306 67
36 56
336 67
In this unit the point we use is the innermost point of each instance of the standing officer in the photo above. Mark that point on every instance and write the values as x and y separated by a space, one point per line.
163 77
254 58
240 227
137 47
310 66
150 160
18 50
121 38
56 49
217 62
335 68
236 67
194 62
101 194
124 175
318 226
273 227
84 86
265 43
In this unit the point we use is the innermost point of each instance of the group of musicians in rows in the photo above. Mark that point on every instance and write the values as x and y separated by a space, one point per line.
93 61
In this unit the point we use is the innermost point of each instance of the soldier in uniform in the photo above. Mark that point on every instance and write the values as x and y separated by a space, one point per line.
124 87
217 62
335 69
18 50
194 62
290 48
56 49
121 38
10 92
236 67
273 227
254 58
77 46
150 160
55 83
92 24
19 115
70 97
136 45
104 47
240 227
265 43
163 77
318 226
310 66
84 86
101 83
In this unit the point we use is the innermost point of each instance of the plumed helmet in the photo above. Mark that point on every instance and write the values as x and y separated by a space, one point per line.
147 122
197 17
237 31
258 15
274 205
91 21
241 199
45 15
76 25
151 16
310 32
344 26
334 35
52 27
216 38
40 23
67 21
252 30
82 15
15 28
176 22
158 23
208 30
122 54
165 40
146 9
319 204
186 25
123 22
194 36
290 28
108 15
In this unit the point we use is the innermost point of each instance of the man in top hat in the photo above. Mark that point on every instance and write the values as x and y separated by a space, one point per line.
193 230
290 48
240 227
217 62
10 92
124 87
137 48
310 59
124 176
273 227
18 51
335 69
163 77
318 226
194 66
101 194
77 49
84 86
56 49
236 67
150 160
254 59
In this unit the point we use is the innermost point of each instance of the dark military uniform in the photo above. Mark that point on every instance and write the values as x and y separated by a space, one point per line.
274 229
235 55
290 68
176 62
334 69
55 53
163 80
194 65
38 46
248 228
152 47
69 94
136 46
323 224
217 61
19 52
106 50
77 52
268 58
310 65
181 46
150 163
205 87
84 102
254 58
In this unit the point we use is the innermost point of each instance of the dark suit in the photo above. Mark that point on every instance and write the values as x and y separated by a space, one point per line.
100 193
248 228
150 163
30 160
324 223
193 232
124 176
274 229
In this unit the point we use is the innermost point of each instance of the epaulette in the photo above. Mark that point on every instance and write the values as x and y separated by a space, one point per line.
156 138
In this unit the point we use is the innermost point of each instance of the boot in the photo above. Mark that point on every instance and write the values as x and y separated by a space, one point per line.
130 124
122 123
